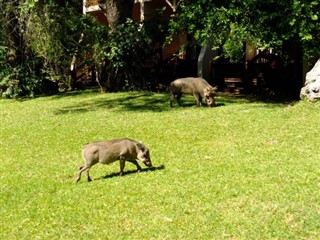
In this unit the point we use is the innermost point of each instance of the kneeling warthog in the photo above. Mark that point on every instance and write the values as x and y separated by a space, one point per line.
198 87
109 151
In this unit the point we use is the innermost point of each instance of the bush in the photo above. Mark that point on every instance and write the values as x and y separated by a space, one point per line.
19 82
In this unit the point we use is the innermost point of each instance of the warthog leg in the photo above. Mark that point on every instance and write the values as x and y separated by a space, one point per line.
171 100
178 97
84 168
122 165
175 96
198 99
135 163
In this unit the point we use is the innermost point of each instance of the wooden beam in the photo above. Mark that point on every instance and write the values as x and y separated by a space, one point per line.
139 1
173 6
141 10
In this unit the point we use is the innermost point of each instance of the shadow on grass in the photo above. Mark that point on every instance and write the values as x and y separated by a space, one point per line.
158 102
129 101
152 169
269 100
193 104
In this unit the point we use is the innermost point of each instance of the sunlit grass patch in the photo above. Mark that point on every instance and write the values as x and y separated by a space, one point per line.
243 170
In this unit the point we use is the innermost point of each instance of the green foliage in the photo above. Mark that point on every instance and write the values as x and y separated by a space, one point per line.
128 50
53 31
45 37
18 82
217 23
18 67
227 24
4 71
244 170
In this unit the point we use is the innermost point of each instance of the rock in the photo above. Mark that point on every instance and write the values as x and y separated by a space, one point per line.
311 89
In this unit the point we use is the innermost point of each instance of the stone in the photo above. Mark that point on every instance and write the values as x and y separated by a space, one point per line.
311 88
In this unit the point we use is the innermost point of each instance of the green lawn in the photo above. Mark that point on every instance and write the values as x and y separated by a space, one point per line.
242 170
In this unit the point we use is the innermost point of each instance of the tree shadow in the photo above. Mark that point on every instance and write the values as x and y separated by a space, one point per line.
159 102
117 174
130 101
266 99
271 100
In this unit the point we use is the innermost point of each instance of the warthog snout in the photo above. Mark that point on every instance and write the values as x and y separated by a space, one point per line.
148 163
210 101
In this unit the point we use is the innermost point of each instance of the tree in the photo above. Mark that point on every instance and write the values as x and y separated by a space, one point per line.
53 30
289 27
262 23
39 40
118 11
17 73
109 47
123 49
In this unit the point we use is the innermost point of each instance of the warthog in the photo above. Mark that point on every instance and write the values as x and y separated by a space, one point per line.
198 87
109 151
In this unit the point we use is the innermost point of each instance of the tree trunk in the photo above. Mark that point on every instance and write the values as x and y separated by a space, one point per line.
118 11
12 28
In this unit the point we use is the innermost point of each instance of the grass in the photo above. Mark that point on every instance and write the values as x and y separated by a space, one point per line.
243 170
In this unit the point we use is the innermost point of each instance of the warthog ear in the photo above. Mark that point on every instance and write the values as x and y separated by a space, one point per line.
141 147
207 91
215 88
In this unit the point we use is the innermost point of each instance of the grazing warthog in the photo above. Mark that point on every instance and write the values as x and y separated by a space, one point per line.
109 151
198 87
